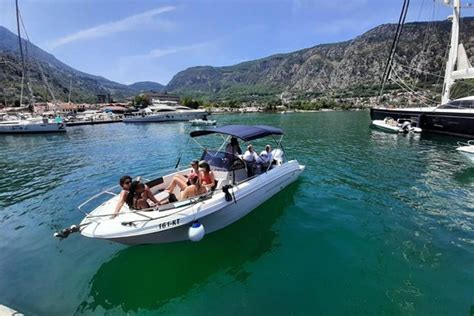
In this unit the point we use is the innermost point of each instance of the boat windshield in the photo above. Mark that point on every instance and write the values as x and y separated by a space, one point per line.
459 104
220 160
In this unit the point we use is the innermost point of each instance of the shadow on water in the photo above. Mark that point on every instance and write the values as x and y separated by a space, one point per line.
148 277
465 176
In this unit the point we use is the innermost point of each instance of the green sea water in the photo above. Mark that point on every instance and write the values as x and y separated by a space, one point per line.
378 224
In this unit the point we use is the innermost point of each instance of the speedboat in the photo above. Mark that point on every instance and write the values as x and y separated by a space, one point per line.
164 113
31 125
399 126
235 194
201 122
467 149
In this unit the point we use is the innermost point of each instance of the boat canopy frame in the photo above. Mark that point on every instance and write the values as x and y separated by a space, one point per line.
244 132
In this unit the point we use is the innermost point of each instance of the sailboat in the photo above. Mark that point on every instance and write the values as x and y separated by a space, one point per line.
453 117
25 125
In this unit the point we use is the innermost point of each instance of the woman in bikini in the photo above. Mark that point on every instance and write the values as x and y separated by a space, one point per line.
194 189
207 176
136 198
182 181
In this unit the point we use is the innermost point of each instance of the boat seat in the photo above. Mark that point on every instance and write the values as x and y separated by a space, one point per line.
162 197
155 185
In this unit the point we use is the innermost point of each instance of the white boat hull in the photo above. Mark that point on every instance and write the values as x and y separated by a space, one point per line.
167 117
214 213
381 124
200 122
27 127
467 152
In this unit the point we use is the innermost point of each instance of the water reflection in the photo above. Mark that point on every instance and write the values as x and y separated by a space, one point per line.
148 277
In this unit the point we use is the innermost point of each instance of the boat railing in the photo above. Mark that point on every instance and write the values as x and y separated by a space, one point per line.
95 197
468 143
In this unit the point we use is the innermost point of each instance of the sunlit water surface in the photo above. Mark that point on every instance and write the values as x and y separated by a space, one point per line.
377 224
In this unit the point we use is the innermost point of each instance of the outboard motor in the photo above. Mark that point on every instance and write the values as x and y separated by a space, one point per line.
406 127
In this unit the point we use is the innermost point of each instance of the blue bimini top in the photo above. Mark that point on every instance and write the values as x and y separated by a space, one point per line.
244 132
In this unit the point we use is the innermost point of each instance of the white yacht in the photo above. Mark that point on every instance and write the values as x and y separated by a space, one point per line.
18 125
235 194
165 113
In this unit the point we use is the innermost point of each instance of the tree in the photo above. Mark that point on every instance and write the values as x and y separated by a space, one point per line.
141 100
189 102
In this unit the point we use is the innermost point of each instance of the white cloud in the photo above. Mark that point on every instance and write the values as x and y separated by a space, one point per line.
160 52
112 27
341 5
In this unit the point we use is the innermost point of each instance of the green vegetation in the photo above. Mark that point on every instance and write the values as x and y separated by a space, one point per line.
192 103
462 88
141 100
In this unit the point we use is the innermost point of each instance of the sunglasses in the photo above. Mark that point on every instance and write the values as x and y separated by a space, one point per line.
127 182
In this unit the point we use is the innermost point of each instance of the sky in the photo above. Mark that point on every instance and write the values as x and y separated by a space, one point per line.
151 40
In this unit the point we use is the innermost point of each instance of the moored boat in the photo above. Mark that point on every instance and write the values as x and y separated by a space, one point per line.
165 113
388 124
201 122
29 126
467 150
235 194
453 117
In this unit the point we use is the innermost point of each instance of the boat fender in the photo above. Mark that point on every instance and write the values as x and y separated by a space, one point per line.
196 231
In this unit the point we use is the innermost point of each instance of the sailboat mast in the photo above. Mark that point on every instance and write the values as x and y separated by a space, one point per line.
70 86
453 52
21 50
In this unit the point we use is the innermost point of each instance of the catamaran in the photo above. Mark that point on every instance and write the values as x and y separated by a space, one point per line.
454 117
236 193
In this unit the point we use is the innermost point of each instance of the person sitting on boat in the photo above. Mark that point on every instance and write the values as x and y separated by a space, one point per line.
206 175
136 198
250 158
265 158
233 147
194 189
125 183
182 181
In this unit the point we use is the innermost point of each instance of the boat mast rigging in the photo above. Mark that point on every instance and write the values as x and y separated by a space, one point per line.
398 32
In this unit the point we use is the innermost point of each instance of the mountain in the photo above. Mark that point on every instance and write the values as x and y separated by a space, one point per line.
143 86
349 68
85 87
